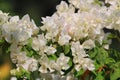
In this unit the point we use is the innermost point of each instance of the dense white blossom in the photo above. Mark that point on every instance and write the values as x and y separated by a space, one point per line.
39 43
45 65
3 18
19 30
62 62
64 39
50 50
88 44
25 62
79 55
78 49
65 36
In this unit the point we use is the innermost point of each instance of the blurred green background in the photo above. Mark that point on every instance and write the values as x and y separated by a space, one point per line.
35 8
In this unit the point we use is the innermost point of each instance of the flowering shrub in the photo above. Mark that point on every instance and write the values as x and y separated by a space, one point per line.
70 45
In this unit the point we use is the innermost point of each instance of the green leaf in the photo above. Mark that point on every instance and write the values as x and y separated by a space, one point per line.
93 53
98 2
30 53
115 75
94 72
97 66
70 63
111 36
109 60
115 65
67 49
52 57
99 76
2 41
79 73
21 73
114 54
102 55
99 55
29 42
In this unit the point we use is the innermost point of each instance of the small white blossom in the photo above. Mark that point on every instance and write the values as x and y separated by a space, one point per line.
18 30
50 50
62 62
88 44
83 63
3 17
45 65
78 49
64 39
22 60
39 43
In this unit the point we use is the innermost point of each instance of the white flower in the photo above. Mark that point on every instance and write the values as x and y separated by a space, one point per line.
113 2
79 23
25 62
14 19
51 27
62 62
18 30
62 7
33 65
79 55
83 63
78 49
76 3
88 64
3 17
88 44
83 5
50 50
35 44
45 64
64 39
39 43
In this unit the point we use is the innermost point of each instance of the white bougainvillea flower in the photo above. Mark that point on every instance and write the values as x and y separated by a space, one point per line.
83 5
29 64
88 44
79 55
39 43
3 17
83 63
112 2
14 19
64 39
78 23
45 64
32 64
51 27
50 50
61 63
63 7
78 49
19 30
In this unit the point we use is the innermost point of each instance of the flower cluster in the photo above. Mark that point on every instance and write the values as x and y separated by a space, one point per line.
63 41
